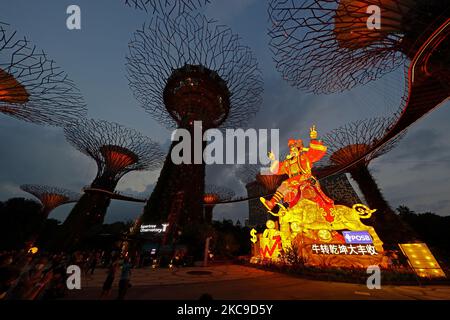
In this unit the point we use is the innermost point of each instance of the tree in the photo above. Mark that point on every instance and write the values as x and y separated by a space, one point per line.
19 220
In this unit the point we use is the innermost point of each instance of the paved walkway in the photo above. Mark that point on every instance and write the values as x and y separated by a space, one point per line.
245 283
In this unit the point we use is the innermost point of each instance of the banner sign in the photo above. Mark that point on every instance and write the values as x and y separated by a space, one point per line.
359 237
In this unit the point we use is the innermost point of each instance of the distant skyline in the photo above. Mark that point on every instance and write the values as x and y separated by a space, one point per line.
415 174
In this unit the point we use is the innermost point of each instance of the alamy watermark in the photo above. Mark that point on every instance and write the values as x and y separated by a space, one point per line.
228 146
374 280
73 21
74 277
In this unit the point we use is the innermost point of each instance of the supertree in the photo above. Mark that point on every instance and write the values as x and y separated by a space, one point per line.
167 6
188 69
50 197
32 87
351 149
213 195
327 45
117 151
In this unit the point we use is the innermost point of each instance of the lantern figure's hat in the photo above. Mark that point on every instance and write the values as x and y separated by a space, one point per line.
295 142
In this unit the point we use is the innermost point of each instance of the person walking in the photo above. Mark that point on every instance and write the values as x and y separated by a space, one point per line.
124 282
93 262
111 274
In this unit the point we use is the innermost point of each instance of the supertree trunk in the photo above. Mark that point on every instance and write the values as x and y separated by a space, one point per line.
88 213
208 213
391 229
178 196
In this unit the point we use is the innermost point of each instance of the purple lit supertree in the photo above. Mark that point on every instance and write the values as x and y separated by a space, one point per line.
32 87
187 69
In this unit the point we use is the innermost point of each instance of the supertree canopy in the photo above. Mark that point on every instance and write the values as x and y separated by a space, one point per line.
327 45
116 150
349 149
167 6
50 197
187 69
32 87
195 63
213 195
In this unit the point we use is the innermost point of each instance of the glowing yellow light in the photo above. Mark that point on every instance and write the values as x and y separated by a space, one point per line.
418 256
33 250
253 236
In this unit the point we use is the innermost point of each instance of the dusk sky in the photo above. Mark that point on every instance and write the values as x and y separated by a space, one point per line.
415 174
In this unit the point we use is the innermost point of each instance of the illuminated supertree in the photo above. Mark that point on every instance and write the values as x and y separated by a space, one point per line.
117 151
50 197
188 69
167 6
349 149
213 195
332 45
32 87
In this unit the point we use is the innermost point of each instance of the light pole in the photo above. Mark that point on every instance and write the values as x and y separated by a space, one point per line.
205 259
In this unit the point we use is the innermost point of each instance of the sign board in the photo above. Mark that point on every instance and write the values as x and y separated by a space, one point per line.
344 249
153 228
358 237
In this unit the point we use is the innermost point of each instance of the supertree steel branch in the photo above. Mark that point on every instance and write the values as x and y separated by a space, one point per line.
117 150
213 195
356 141
50 197
187 69
326 45
172 55
167 6
349 148
32 87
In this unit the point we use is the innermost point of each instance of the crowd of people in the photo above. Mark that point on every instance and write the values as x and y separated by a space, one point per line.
28 275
